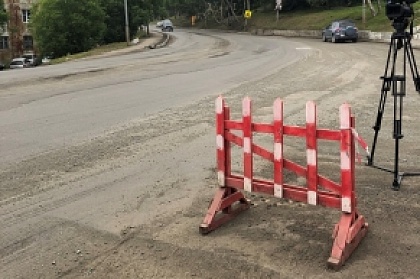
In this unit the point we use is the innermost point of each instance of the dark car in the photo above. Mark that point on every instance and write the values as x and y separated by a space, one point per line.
340 31
2 66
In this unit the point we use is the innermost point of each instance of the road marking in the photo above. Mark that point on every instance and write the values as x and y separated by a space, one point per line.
303 48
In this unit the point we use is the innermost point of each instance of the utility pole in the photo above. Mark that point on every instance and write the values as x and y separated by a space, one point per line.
364 13
127 31
248 7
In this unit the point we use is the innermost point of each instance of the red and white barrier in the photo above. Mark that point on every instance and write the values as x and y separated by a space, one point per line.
229 200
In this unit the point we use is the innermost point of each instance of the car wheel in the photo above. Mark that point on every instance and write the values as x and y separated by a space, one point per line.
333 39
324 39
354 40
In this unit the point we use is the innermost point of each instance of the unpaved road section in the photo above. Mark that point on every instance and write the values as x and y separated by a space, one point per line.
108 173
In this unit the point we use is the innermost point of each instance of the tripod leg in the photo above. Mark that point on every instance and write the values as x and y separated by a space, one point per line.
386 84
413 65
397 133
378 123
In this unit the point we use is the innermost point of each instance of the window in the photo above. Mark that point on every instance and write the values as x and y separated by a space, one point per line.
3 28
28 42
26 14
4 42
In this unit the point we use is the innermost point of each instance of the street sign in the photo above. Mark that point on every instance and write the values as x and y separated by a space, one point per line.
247 14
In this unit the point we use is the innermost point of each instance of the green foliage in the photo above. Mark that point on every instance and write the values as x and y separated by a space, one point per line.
317 19
3 14
66 27
140 12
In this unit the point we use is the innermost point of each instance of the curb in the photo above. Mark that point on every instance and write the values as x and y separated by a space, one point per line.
162 43
364 35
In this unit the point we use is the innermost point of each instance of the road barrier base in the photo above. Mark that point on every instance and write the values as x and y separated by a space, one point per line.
226 205
347 235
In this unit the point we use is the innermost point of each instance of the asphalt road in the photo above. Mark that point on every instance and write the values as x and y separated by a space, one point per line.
50 107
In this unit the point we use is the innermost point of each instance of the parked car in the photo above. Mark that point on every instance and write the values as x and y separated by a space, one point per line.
19 63
340 30
2 66
46 60
167 25
32 58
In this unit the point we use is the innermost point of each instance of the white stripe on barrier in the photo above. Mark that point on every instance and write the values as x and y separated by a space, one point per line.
345 160
220 141
278 151
311 157
312 198
247 145
246 107
310 113
219 105
278 190
247 184
278 109
221 178
344 116
346 204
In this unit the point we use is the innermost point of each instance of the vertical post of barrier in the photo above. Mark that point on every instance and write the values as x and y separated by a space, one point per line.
352 227
311 153
347 168
228 201
247 144
228 149
220 140
353 161
278 147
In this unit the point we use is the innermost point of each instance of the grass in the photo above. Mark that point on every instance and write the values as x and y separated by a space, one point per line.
96 51
318 19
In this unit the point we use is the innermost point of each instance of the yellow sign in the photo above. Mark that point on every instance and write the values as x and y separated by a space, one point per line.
247 14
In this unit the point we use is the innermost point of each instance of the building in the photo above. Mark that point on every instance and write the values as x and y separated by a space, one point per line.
15 37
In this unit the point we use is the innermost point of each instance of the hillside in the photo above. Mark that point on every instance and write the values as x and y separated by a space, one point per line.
306 19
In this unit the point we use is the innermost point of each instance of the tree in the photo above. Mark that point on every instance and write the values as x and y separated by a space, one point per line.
140 12
66 26
3 14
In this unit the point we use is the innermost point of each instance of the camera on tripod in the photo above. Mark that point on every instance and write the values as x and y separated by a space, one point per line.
400 12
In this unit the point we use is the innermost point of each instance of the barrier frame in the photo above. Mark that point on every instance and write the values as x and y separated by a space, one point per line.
229 201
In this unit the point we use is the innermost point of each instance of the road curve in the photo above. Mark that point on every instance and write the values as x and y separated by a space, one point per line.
50 107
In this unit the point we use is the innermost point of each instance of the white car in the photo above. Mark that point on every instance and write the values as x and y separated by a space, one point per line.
32 58
19 63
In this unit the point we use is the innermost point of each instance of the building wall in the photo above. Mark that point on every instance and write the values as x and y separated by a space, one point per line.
16 33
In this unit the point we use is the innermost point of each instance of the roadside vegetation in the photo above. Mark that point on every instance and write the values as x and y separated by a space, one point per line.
3 14
305 18
64 28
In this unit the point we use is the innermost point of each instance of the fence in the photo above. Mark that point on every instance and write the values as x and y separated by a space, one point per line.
319 190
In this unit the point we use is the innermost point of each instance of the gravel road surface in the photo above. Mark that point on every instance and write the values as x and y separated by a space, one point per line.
108 165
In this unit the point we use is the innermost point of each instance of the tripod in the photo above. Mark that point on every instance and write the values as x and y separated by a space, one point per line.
397 85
